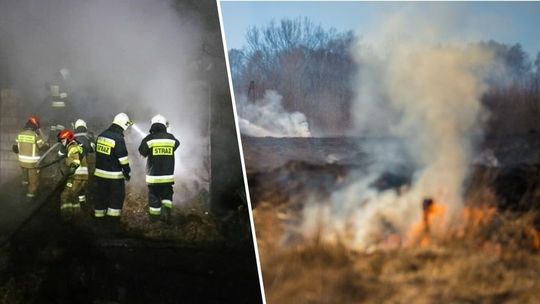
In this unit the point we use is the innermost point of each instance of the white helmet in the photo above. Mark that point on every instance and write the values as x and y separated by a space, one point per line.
65 73
161 120
80 123
122 120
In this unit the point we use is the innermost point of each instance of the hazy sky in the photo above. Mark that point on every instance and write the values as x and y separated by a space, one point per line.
507 22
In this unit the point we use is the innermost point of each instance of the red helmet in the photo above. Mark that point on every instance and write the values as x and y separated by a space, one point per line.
65 134
33 120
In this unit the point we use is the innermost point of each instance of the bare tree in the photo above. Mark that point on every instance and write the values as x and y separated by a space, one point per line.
308 65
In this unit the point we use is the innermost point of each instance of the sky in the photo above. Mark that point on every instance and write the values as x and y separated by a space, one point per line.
506 22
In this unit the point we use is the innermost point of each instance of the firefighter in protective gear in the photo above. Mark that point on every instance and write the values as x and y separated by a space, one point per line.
57 106
77 174
112 169
82 136
28 145
86 139
159 147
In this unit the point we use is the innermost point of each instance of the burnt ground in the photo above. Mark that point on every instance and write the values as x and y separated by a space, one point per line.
196 260
289 176
496 264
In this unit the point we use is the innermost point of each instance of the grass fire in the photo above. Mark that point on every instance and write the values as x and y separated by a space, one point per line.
396 162
143 86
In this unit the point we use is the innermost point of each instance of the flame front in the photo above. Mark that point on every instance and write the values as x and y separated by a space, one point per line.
433 218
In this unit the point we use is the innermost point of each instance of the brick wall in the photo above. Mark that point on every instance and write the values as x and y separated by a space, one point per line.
10 125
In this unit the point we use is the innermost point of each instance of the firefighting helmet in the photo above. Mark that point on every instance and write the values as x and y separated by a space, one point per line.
65 73
160 119
80 123
34 121
122 120
65 134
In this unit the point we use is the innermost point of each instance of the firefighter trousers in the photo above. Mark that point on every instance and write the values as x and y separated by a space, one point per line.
159 195
69 199
109 196
30 178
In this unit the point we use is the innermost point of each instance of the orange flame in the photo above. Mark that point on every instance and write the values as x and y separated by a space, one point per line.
433 218
534 235
476 216
470 222
420 233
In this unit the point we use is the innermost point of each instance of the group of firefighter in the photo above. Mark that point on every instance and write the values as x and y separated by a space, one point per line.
112 167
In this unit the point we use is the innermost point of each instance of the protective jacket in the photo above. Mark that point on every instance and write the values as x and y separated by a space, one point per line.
111 154
85 139
76 158
29 143
159 147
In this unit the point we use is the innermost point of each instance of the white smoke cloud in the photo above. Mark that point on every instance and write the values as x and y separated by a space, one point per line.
267 117
426 95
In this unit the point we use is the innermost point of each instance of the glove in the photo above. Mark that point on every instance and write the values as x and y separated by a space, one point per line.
15 149
69 182
126 176
72 169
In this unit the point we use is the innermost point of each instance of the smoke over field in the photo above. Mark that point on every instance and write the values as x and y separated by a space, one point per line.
427 97
410 195
266 117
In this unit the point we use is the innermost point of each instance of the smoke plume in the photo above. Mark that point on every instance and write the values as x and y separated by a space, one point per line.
267 117
427 96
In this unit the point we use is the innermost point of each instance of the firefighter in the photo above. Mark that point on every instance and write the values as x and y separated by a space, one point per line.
112 169
28 145
77 176
159 147
86 139
58 106
83 137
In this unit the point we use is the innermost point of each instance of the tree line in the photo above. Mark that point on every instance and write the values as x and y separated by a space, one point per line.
313 69
308 65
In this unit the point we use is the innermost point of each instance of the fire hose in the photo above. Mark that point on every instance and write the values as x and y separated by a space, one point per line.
50 163
39 164
46 153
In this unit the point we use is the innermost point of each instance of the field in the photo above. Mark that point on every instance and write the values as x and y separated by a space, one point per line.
491 256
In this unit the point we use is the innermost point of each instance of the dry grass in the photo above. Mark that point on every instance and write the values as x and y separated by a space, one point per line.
190 220
495 263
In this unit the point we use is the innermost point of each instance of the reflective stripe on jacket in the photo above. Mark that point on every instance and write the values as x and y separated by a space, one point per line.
159 147
29 142
75 155
111 154
86 140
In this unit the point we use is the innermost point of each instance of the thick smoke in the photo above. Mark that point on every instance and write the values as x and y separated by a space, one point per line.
267 117
139 57
427 96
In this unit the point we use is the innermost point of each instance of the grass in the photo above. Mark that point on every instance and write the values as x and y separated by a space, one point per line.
190 221
495 263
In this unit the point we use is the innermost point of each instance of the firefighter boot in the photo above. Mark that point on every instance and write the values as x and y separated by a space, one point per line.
76 210
66 211
114 226
166 214
153 217
99 226
111 227
29 197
